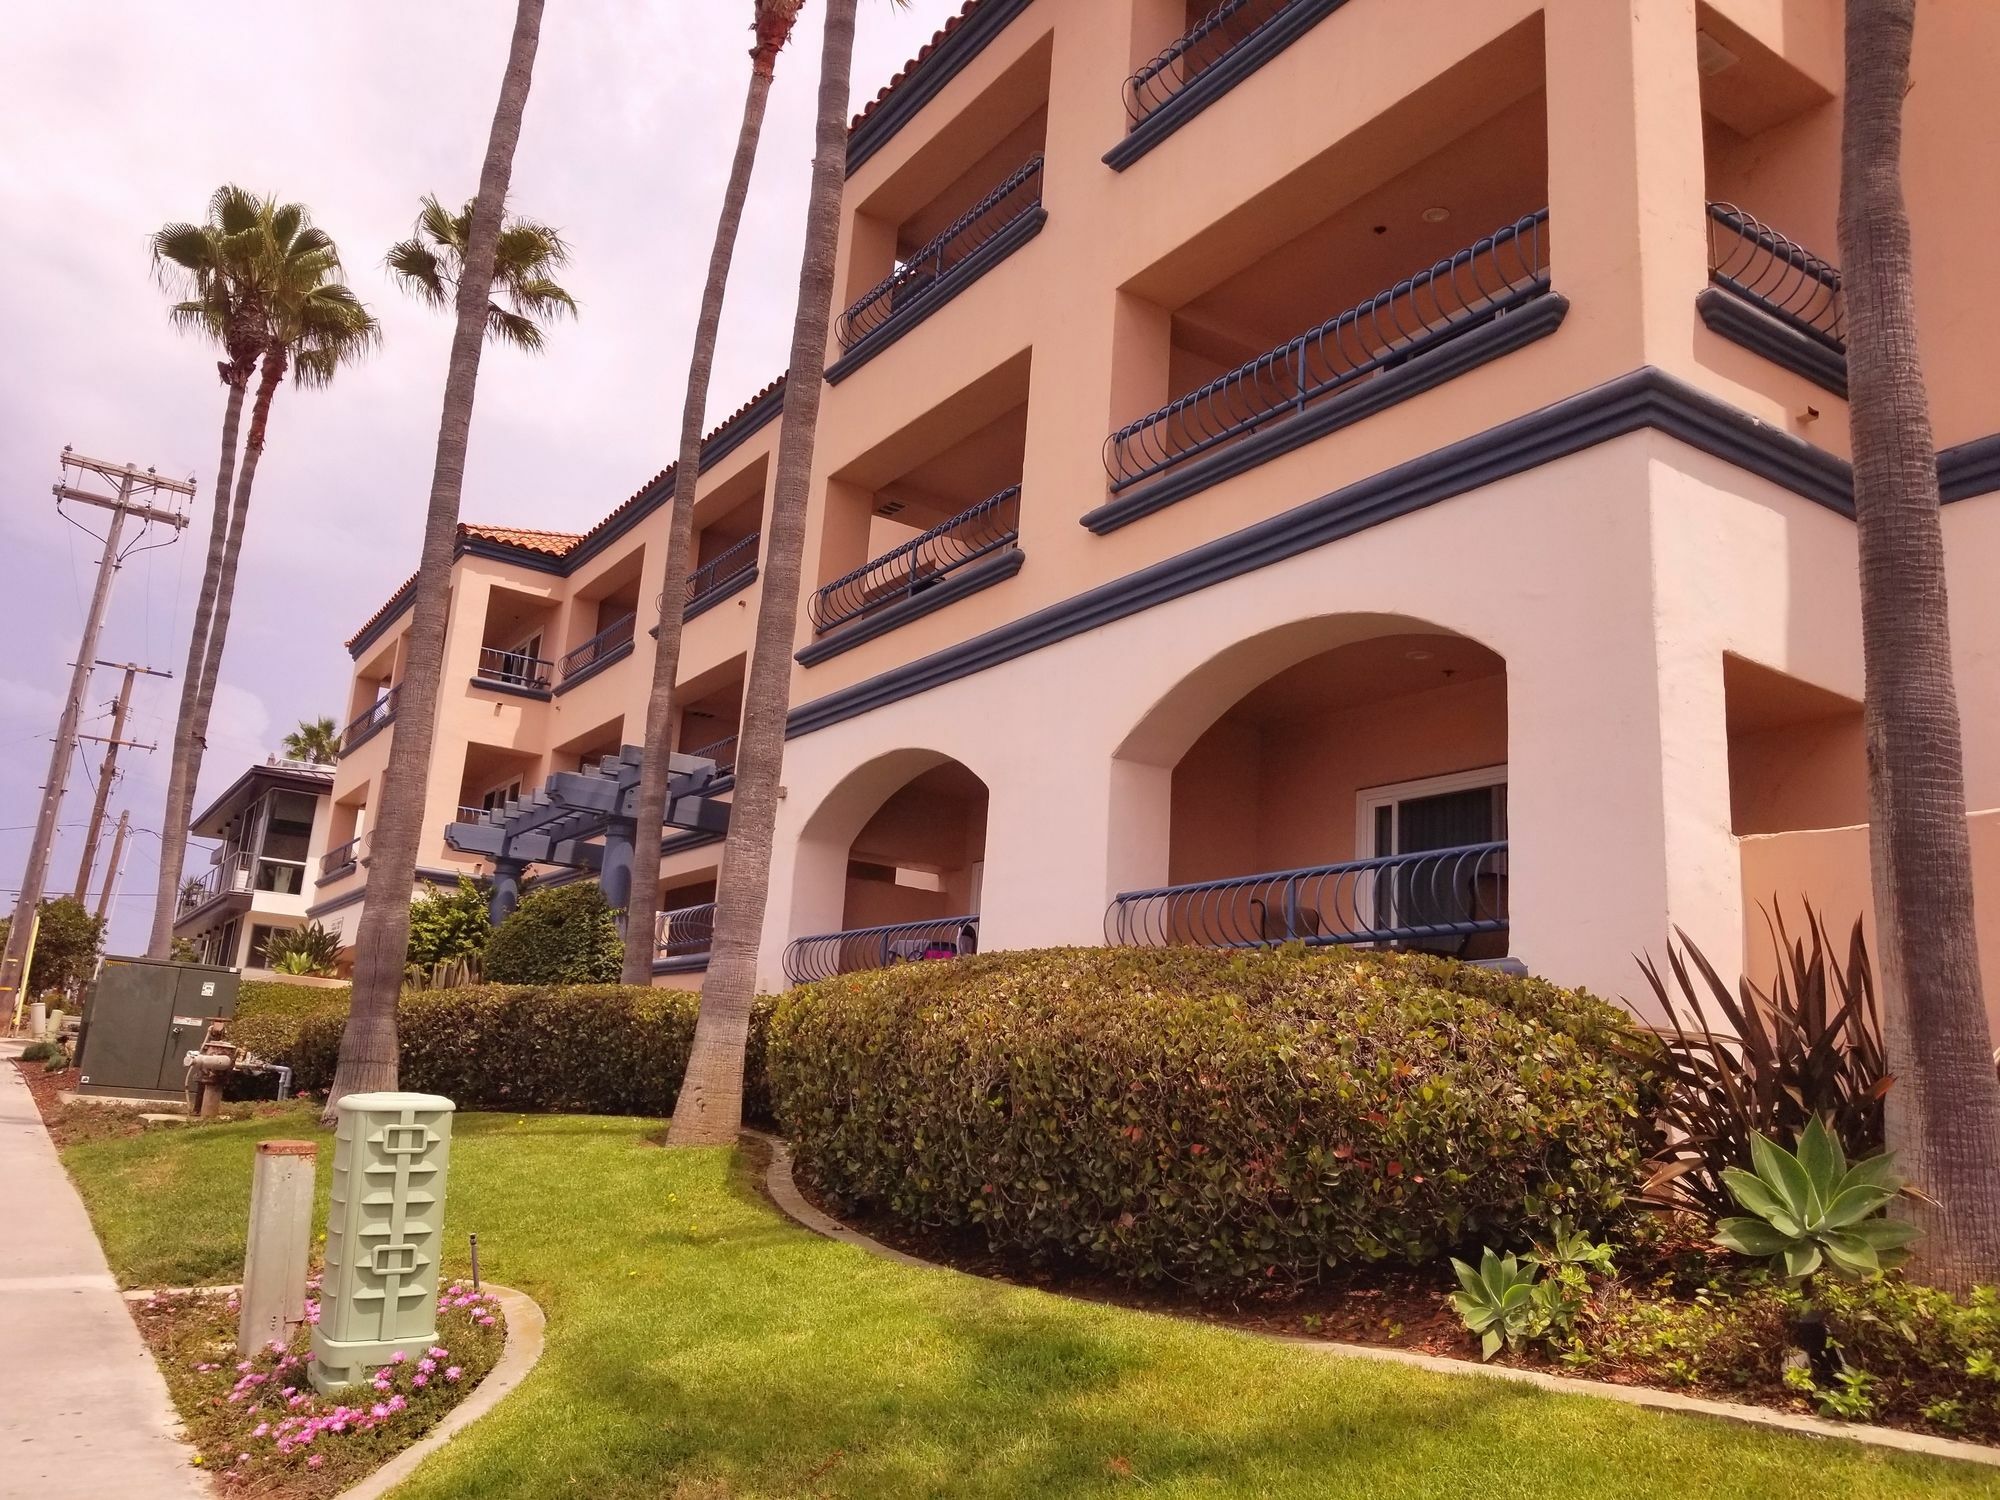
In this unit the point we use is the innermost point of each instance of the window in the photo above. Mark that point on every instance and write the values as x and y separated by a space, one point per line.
1455 812
260 946
498 798
287 820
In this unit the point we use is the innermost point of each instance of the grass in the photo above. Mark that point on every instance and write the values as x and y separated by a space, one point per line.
701 1347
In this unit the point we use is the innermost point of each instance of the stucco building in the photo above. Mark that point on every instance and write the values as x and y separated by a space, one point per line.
1340 469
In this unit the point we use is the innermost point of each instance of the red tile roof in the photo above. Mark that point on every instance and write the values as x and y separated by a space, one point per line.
554 543
965 14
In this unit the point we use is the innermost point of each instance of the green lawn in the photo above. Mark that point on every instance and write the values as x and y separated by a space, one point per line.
702 1347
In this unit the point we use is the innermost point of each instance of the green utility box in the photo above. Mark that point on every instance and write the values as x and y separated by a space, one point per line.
143 1017
384 1235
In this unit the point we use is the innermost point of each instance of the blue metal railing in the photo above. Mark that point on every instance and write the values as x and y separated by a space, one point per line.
921 274
831 953
613 636
1779 275
994 523
1484 280
340 856
376 716
722 752
722 570
1204 44
1432 898
685 933
515 668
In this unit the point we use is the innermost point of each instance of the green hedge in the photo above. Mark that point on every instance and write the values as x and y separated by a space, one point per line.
1218 1119
584 1049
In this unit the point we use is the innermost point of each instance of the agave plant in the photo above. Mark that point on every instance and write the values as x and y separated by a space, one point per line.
1498 1301
311 949
1750 1061
1810 1209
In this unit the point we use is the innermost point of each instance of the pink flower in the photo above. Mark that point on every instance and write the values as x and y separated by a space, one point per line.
378 1411
420 1381
401 1357
436 1352
454 1372
397 1403
316 1460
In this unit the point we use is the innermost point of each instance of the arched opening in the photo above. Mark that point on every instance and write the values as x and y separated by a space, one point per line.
899 849
1341 780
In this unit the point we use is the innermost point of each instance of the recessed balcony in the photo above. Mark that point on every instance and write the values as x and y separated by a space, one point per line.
608 645
342 858
682 937
1775 297
514 669
370 722
936 271
921 564
828 954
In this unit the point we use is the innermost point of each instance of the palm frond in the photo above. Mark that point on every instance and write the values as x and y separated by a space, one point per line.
541 298
512 328
417 266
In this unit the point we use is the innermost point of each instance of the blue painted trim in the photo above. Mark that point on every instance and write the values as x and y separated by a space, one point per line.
1446 361
1644 399
1218 80
603 663
360 893
925 78
682 963
949 590
513 689
1017 233
1746 324
701 604
1969 469
520 557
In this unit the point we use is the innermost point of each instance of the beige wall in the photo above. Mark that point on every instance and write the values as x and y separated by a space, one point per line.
1828 867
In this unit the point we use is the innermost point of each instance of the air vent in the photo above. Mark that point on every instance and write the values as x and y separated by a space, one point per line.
889 508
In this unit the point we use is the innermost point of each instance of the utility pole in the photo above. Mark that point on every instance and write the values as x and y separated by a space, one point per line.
108 772
135 488
111 870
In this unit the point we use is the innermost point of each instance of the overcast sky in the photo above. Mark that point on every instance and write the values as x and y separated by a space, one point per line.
120 115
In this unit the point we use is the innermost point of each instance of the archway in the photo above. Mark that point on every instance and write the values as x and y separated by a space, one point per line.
890 868
1336 780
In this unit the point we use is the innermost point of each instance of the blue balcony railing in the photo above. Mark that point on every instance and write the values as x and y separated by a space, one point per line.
929 270
613 637
370 721
1206 43
722 752
685 933
990 526
1778 275
831 953
722 571
1440 899
1479 283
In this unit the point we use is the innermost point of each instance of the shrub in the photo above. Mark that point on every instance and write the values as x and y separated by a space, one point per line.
67 941
448 924
592 1049
565 935
312 949
1209 1117
1766 1065
40 1052
269 1013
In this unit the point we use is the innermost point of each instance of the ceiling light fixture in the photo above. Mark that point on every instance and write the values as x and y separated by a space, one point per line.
1436 215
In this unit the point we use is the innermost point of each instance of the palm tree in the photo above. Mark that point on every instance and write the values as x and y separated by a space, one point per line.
274 280
773 24
368 1046
1944 1112
315 741
209 264
710 1110
432 261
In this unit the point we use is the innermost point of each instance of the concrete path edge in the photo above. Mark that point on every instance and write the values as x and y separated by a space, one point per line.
526 1334
784 1192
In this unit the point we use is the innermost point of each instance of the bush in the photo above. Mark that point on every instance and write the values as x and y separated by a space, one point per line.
312 949
1214 1118
269 1013
565 935
448 924
40 1052
590 1049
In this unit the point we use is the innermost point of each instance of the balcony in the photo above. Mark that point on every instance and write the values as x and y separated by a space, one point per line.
514 669
730 570
1775 297
372 720
610 644
682 937
921 565
341 859
966 249
1449 901
829 954
722 753
229 877
1473 288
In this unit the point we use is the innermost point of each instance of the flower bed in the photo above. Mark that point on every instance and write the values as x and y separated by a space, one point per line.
258 1425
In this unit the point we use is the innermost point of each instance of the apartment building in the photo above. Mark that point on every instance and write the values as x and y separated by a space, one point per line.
1343 470
259 881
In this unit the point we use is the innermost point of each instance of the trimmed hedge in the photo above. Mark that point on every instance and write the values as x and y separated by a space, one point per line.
579 1049
1213 1118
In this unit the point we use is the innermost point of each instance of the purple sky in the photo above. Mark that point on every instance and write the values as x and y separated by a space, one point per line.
122 115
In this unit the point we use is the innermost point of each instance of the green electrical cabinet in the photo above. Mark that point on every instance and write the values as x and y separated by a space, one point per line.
143 1017
384 1235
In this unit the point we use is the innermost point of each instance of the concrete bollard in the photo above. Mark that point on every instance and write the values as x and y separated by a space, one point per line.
273 1303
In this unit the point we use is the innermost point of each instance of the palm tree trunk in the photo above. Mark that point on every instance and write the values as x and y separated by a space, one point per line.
180 775
368 1047
1944 1111
642 907
710 1109
272 377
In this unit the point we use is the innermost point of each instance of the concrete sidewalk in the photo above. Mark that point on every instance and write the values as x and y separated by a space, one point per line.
84 1414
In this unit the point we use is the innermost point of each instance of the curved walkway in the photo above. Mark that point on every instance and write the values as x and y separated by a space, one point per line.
784 1192
83 1410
